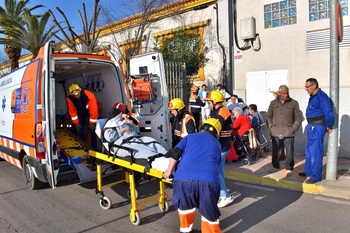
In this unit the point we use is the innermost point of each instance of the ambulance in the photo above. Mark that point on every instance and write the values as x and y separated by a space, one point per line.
34 109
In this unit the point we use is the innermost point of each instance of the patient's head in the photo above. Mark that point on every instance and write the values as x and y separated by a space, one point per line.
122 107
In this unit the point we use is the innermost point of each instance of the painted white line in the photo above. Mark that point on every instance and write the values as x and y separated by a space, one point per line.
254 186
337 201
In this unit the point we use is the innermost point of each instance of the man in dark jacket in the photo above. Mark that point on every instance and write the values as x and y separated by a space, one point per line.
196 105
284 119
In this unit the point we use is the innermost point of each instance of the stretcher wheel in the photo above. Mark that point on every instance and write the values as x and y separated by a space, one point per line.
253 157
105 203
136 194
245 162
137 218
166 206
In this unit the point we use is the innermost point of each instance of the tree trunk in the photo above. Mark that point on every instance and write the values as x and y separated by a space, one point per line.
13 53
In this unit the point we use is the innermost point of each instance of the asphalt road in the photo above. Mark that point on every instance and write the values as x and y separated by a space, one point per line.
74 207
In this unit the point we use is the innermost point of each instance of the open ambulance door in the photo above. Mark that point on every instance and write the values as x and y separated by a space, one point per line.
49 116
150 99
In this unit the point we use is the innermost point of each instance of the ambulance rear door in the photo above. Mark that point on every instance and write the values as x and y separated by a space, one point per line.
49 116
150 99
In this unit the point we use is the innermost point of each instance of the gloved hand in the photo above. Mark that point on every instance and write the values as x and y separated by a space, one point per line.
92 127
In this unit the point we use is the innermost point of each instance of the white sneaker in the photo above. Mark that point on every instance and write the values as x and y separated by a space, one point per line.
224 201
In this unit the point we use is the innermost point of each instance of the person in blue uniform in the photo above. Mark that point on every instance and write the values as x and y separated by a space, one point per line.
220 111
320 118
196 182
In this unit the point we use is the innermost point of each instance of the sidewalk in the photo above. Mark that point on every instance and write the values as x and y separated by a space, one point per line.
257 173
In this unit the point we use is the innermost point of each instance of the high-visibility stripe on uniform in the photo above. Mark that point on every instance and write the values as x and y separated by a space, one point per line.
186 219
209 226
187 118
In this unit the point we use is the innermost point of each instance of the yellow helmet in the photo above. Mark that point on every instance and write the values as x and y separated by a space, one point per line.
176 104
215 96
212 125
74 87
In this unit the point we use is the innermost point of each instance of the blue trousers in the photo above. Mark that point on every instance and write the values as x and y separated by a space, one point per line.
223 190
314 151
201 194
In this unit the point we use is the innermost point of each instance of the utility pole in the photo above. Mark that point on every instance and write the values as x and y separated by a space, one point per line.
332 154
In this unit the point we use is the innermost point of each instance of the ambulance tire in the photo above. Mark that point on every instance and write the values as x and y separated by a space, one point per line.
31 181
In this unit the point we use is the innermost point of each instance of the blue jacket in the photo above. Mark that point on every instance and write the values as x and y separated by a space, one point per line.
320 105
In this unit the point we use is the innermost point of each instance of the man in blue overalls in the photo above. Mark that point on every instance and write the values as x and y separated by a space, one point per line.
320 118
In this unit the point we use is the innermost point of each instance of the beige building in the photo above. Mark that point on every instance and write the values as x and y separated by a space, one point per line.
294 45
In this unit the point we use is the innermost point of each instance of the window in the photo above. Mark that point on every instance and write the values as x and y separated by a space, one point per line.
281 13
185 43
319 9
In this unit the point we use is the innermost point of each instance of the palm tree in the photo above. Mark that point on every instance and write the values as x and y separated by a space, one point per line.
30 36
13 12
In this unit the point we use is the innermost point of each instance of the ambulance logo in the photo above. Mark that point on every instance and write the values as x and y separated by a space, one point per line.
3 106
25 100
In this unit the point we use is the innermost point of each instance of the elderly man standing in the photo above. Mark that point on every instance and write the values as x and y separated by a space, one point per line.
284 118
320 119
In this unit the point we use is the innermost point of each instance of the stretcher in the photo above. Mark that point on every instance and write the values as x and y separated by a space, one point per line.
129 169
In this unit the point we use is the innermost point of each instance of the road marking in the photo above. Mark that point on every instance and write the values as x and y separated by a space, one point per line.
328 199
255 186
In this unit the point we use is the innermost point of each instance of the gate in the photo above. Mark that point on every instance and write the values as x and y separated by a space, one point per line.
174 75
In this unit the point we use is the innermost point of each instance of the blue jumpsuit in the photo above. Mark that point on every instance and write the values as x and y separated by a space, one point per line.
319 105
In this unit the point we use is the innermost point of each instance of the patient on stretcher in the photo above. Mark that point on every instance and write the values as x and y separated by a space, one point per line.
120 136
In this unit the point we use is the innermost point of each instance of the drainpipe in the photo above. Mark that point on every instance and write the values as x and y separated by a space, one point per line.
231 77
224 58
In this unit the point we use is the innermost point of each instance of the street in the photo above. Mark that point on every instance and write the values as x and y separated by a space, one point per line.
74 207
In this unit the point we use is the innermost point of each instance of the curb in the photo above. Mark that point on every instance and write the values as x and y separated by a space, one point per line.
274 182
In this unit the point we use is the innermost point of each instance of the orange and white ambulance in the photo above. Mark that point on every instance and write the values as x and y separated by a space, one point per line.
34 108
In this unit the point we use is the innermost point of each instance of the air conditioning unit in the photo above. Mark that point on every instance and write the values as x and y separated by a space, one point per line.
248 28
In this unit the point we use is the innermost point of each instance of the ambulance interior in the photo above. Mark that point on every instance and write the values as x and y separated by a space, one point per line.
106 82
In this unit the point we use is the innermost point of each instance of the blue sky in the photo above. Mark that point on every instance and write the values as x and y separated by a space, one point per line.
71 7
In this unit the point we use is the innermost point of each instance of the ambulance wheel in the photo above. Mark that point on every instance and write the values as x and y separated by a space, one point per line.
245 162
129 195
253 157
105 203
31 181
166 206
137 218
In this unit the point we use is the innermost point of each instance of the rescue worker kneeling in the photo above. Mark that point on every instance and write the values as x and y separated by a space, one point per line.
196 182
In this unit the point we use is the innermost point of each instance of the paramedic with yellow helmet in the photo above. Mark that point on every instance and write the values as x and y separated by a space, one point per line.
196 182
223 114
183 121
83 110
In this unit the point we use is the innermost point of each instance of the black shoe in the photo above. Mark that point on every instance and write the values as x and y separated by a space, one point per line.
302 174
309 181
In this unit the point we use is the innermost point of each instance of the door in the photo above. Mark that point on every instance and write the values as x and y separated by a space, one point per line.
49 116
150 96
260 85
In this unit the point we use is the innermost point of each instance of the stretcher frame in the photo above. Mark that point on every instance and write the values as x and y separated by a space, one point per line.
130 168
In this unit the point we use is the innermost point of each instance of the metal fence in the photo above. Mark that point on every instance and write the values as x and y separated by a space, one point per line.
174 78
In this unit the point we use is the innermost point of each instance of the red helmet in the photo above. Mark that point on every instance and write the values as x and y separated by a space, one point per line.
122 107
194 89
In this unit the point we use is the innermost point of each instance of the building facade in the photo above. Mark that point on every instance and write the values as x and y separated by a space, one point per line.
294 45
